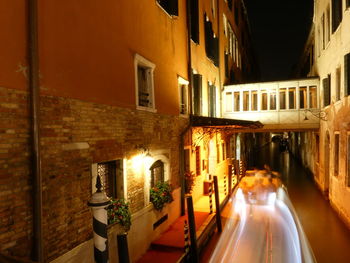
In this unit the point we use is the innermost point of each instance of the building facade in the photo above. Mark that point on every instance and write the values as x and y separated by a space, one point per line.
117 83
327 55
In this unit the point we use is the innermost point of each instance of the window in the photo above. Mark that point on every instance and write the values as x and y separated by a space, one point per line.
246 100
237 105
111 175
272 99
227 69
347 74
291 98
312 97
338 84
229 104
144 82
254 100
229 3
211 41
348 161
302 97
183 90
217 153
328 25
323 34
337 12
263 100
157 172
326 82
198 160
194 21
236 13
169 6
336 154
282 92
197 94
212 100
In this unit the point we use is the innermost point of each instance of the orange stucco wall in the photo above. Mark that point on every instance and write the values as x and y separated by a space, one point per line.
12 44
87 50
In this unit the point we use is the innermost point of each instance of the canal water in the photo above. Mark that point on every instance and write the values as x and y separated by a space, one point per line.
327 234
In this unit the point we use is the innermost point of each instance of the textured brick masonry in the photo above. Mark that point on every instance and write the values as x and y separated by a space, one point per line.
74 134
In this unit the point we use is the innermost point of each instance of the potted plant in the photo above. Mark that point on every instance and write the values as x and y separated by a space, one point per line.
160 195
119 212
189 182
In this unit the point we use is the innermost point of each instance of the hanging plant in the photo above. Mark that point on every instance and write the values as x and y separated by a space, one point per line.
119 212
189 182
161 195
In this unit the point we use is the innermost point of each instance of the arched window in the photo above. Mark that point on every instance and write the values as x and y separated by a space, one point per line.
157 172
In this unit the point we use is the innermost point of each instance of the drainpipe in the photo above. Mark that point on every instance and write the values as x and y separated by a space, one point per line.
188 127
218 22
33 67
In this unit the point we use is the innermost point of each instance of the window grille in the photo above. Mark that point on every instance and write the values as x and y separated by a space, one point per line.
107 173
157 172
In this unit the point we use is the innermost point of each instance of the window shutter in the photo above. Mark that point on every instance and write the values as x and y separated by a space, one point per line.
194 21
215 50
326 91
347 74
197 94
208 36
337 13
226 65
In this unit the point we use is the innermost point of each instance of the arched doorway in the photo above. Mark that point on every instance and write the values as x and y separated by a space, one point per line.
326 164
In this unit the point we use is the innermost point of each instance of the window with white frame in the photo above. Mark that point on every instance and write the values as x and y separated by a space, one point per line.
336 154
183 92
144 83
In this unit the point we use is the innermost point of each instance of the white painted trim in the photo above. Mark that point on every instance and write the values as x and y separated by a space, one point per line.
125 179
139 60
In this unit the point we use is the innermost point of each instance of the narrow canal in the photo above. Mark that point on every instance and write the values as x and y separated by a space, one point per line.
327 234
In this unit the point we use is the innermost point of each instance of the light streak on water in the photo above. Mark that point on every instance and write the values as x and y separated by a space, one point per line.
262 227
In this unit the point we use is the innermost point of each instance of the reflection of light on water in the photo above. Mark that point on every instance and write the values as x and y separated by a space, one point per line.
274 218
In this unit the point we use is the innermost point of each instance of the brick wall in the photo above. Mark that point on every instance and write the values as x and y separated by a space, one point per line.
15 177
74 134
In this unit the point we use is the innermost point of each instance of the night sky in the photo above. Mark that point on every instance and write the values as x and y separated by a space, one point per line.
279 31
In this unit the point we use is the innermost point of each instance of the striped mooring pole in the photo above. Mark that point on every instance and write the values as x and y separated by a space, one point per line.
240 168
98 202
210 197
187 242
225 185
